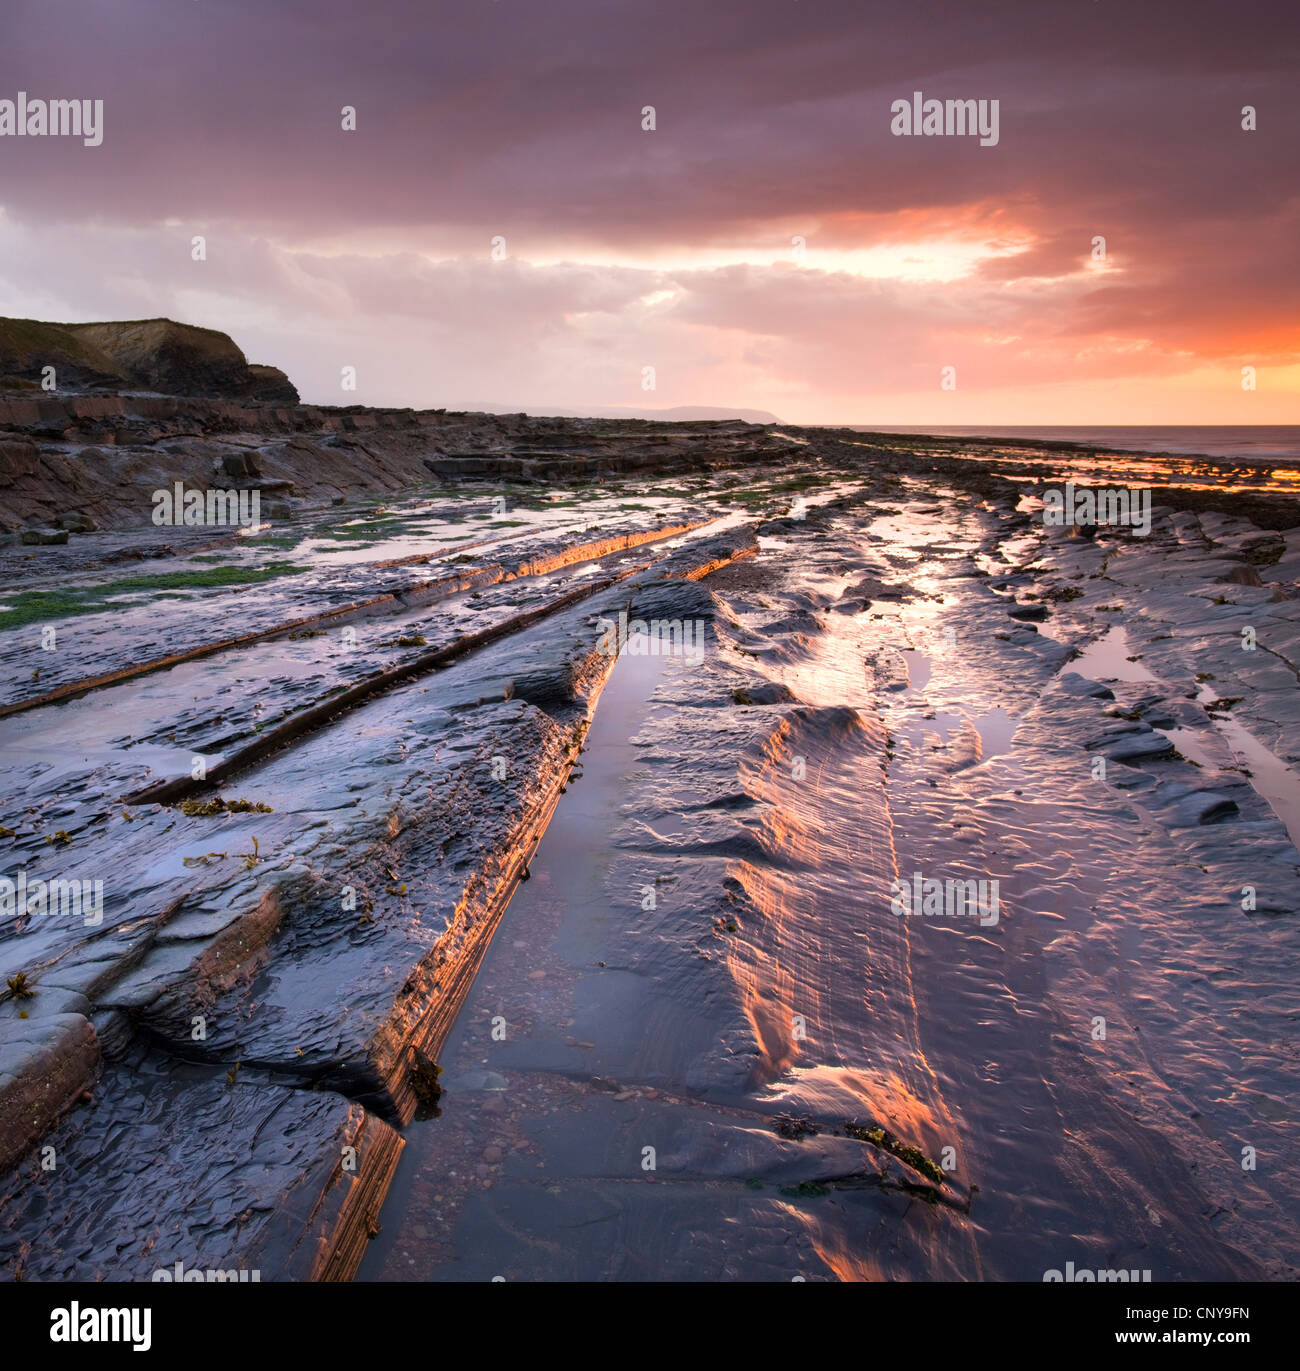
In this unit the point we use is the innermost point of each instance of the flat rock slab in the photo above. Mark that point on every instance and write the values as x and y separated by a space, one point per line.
45 1064
222 1177
280 1014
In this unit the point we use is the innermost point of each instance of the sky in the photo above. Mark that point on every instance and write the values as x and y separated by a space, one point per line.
770 244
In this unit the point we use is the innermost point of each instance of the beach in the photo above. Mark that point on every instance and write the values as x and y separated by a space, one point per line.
555 783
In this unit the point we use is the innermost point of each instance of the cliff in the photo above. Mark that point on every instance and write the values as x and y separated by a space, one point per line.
156 355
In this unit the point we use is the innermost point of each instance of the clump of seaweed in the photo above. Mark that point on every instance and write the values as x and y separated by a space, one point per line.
795 1127
19 986
251 859
805 1190
887 1142
423 1077
1223 704
203 809
1265 554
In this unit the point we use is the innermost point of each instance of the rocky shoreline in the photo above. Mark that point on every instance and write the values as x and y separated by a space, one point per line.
310 764
100 458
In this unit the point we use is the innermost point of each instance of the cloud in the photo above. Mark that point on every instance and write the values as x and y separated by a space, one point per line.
500 117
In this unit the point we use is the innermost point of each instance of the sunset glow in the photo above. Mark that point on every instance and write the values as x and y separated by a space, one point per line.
771 245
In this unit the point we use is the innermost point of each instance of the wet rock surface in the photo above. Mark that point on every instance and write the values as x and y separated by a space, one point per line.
625 736
726 959
172 1165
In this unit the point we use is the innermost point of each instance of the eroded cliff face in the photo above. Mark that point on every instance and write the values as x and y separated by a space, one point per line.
156 355
69 459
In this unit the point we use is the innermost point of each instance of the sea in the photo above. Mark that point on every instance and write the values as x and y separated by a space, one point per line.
1272 443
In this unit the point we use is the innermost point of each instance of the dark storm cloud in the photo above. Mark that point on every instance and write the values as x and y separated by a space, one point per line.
512 117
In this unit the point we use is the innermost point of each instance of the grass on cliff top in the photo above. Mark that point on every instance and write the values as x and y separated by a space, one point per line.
26 340
39 606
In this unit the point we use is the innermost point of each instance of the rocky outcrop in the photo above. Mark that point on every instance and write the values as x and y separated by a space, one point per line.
102 456
210 1063
47 1062
251 1006
156 355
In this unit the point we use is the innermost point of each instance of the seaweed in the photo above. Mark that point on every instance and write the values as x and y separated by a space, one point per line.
19 986
37 606
887 1142
805 1190
795 1127
423 1077
1223 704
203 809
